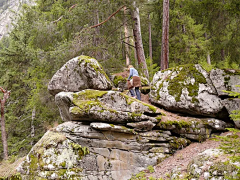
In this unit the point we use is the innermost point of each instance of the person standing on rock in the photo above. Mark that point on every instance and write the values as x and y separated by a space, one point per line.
136 82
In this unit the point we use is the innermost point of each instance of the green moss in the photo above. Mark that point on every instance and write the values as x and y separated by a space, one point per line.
151 169
63 164
182 80
133 115
144 81
14 177
159 118
118 79
179 142
33 163
88 94
97 68
179 124
86 99
111 125
82 151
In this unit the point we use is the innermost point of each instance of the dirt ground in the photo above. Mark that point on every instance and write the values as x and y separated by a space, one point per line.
181 159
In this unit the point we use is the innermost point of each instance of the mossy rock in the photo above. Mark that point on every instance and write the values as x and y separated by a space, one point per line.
186 89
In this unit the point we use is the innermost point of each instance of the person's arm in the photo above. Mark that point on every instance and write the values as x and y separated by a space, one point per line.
130 74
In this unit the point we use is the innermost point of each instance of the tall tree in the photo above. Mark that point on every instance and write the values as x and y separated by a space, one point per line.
138 40
6 95
165 36
126 34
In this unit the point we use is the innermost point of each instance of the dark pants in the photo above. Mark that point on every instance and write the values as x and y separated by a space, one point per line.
138 94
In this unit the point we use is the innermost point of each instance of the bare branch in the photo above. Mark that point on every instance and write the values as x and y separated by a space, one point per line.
70 9
107 18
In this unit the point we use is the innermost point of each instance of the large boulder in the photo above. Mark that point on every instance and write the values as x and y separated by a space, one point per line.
77 74
105 106
225 80
187 89
233 106
87 151
213 164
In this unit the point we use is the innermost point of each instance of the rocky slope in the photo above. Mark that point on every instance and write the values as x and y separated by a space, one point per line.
7 16
109 135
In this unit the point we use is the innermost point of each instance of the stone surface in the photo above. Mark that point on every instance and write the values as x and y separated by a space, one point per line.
197 129
109 135
77 74
211 164
225 80
105 106
233 104
187 89
7 15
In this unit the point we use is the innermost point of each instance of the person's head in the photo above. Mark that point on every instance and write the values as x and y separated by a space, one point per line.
130 66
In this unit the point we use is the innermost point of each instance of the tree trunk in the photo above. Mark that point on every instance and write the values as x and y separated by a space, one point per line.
150 44
208 58
6 95
150 37
32 125
208 54
138 40
165 36
222 54
126 38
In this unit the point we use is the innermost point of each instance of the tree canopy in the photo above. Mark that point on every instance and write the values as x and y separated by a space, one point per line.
50 33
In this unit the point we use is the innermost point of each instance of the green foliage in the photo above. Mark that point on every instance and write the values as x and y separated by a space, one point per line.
152 68
151 169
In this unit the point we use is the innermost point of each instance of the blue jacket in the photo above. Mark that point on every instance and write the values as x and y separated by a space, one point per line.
133 72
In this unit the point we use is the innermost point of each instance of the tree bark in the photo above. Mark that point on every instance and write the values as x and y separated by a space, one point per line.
32 124
126 38
165 36
208 58
6 95
208 54
138 40
150 37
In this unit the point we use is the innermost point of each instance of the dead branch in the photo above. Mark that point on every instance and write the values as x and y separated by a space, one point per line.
128 44
3 91
107 18
70 9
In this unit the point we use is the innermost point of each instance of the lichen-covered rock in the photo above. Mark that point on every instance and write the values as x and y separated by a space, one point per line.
77 74
225 80
194 128
186 89
105 106
211 164
53 157
233 106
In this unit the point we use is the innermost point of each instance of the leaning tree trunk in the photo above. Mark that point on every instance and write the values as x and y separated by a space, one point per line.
126 38
165 36
138 40
6 95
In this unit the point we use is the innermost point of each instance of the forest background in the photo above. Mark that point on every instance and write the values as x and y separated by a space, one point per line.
48 34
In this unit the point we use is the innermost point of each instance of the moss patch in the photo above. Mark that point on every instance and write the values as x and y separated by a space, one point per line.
118 79
187 73
187 77
179 124
81 151
97 67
